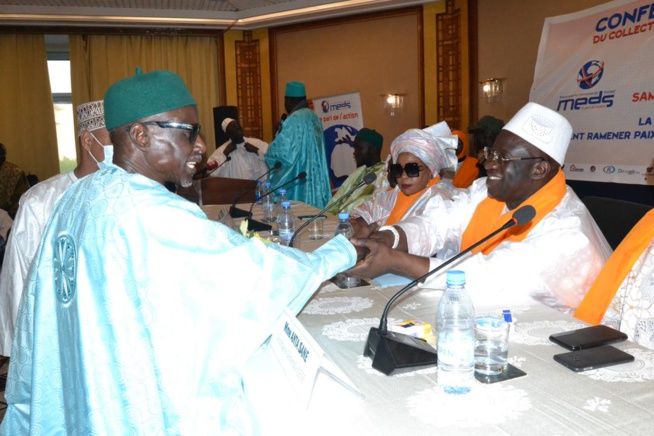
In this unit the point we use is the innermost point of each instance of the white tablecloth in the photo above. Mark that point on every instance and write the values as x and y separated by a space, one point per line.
550 399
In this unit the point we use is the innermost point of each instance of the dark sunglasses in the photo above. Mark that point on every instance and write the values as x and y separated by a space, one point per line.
411 169
193 128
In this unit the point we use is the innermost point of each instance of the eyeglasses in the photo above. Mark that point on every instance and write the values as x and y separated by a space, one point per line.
491 155
193 128
411 169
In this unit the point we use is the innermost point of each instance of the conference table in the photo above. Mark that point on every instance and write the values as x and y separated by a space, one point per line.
549 400
300 210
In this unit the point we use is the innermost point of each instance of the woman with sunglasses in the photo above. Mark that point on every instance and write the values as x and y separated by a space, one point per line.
417 158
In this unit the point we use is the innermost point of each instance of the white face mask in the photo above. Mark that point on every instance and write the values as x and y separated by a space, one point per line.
108 151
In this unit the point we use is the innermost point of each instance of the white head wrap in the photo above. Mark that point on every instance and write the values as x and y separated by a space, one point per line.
225 123
435 146
543 128
90 116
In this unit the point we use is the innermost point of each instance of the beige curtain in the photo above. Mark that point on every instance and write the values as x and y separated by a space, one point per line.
97 61
27 123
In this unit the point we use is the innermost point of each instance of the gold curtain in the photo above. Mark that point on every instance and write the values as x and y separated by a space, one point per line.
27 122
97 61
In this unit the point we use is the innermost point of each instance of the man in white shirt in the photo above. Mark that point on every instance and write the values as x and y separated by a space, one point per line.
34 211
552 259
247 154
5 225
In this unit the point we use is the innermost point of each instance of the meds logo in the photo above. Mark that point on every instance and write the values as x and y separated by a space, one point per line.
325 106
609 169
590 74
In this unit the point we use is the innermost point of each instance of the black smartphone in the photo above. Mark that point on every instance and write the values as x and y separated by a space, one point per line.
588 337
593 358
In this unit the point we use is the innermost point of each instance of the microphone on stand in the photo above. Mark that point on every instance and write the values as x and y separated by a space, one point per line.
212 166
259 226
367 180
391 351
235 212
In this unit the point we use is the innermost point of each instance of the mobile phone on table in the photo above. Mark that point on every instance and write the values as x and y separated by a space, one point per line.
593 358
588 337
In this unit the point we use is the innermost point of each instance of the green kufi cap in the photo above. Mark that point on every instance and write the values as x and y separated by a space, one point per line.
488 123
295 89
144 95
371 136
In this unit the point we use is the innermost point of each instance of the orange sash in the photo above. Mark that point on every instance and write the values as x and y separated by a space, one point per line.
606 285
488 216
467 173
403 203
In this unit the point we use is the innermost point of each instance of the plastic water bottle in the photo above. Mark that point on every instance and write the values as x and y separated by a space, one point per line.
456 336
345 228
286 224
258 192
278 204
268 205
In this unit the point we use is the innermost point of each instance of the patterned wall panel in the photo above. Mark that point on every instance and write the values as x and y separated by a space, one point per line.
248 84
448 46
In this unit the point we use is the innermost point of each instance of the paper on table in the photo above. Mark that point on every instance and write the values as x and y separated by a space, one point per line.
391 280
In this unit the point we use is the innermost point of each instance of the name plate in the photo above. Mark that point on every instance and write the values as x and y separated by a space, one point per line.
302 358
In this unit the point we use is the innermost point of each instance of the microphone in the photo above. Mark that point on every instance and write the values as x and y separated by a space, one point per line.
259 226
239 213
367 180
212 166
392 351
279 127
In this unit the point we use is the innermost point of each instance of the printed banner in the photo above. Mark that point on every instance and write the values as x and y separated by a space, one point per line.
342 119
595 68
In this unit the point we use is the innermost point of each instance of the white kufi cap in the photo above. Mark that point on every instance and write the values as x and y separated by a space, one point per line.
543 128
225 123
90 116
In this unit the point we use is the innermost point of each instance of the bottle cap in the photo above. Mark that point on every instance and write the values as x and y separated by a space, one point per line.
343 216
282 191
267 185
286 204
456 277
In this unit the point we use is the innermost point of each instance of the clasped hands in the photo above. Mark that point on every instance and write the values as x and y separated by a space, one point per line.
374 252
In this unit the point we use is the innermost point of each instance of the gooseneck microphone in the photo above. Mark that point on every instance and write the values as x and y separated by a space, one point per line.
235 212
211 166
391 351
275 167
367 180
259 226
281 121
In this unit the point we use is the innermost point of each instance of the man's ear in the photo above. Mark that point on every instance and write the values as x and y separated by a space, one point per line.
541 170
86 140
139 135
